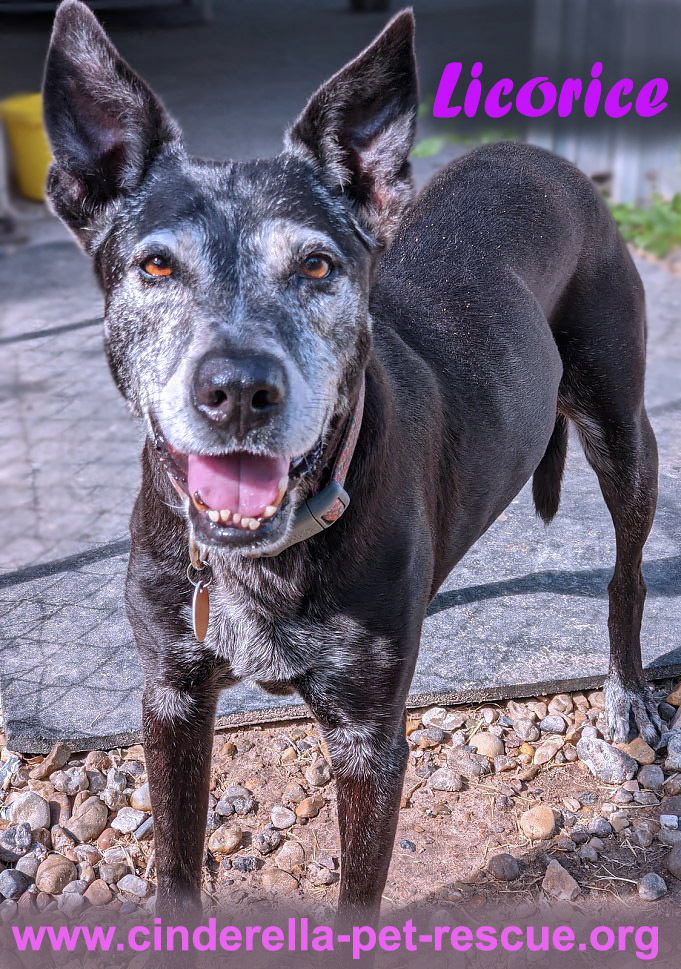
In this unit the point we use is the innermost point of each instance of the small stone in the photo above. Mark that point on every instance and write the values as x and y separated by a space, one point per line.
70 781
267 841
571 803
309 807
619 821
282 817
552 724
672 786
98 893
134 885
640 751
540 708
146 830
608 764
322 876
88 823
407 845
133 768
277 880
54 874
78 887
468 763
674 861
96 782
30 808
559 883
98 760
293 794
539 823
128 820
57 758
588 853
623 797
646 798
639 836
669 820
244 863
86 872
548 749
70 904
674 698
13 883
504 763
225 840
141 799
8 914
561 703
291 856
487 745
63 842
651 777
504 867
236 800
106 839
579 834
318 774
525 730
669 836
600 827
445 779
428 738
15 842
30 864
651 887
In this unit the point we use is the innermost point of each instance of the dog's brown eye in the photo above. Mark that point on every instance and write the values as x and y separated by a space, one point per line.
316 267
157 266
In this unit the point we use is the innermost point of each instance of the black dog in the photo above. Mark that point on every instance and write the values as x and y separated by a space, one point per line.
280 325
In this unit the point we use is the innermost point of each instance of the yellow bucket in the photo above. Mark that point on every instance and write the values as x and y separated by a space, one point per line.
23 117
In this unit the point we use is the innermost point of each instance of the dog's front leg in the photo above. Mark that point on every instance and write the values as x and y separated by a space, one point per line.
178 740
364 730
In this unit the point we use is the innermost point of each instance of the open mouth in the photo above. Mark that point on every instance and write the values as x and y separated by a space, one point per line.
234 498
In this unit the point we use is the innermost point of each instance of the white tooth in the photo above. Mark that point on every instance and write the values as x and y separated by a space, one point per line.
245 522
225 514
283 485
253 524
214 515
236 518
269 511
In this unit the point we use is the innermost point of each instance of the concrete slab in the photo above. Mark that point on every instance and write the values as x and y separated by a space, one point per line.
524 613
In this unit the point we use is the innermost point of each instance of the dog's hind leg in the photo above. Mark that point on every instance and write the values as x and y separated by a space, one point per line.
625 460
601 338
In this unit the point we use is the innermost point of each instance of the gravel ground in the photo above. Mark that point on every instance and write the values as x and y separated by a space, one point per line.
521 801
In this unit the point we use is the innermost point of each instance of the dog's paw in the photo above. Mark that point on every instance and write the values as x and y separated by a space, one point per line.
624 704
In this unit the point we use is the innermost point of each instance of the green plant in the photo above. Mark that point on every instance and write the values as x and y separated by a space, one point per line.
656 227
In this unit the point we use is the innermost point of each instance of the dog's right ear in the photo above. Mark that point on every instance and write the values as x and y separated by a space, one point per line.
104 124
358 128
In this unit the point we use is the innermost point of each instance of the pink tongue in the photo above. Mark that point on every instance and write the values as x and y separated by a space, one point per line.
243 483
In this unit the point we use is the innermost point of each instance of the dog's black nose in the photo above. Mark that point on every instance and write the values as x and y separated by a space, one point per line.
239 394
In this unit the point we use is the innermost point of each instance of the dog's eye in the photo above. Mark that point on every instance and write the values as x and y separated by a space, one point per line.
157 266
316 267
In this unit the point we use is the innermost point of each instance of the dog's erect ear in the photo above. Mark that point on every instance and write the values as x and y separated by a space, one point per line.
104 124
359 127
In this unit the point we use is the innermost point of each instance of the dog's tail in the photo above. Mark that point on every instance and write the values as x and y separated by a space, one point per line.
549 472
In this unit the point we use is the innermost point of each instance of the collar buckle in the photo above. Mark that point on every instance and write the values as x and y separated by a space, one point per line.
316 514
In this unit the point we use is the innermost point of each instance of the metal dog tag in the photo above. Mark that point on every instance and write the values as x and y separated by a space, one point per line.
200 611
